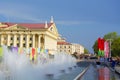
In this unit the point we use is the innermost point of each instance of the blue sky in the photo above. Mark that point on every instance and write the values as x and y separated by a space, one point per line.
79 21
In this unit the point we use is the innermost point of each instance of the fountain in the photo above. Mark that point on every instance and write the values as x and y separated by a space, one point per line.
16 66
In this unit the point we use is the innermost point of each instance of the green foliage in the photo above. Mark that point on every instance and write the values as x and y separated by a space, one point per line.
115 43
95 47
112 35
115 46
86 51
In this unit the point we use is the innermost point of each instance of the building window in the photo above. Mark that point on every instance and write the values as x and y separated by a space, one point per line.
24 38
24 45
69 50
64 46
51 28
30 38
30 45
11 38
69 46
11 44
60 50
60 46
5 38
18 45
18 38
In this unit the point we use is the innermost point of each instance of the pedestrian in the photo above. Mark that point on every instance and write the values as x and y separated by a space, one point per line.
113 63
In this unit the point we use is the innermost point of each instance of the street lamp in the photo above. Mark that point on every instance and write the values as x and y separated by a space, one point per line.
110 41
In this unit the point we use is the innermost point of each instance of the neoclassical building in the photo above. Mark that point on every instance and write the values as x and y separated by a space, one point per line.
30 35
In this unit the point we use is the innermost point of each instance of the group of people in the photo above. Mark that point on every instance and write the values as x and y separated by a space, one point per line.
113 61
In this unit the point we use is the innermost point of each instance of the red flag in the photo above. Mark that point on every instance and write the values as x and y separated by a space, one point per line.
99 42
102 43
33 52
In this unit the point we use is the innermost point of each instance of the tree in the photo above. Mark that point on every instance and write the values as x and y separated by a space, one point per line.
86 51
95 47
115 49
112 35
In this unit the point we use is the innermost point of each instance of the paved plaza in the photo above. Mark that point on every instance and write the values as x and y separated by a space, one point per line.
98 72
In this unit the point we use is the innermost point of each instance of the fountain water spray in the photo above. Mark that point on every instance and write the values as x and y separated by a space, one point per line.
16 66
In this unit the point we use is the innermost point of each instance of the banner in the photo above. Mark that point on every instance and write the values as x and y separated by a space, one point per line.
42 51
106 49
20 50
33 52
46 51
25 50
15 49
28 51
38 50
100 47
35 55
1 51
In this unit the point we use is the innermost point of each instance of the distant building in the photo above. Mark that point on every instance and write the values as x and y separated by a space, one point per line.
78 48
70 48
30 35
63 46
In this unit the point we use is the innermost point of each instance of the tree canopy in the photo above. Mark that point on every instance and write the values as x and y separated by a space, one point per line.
115 46
112 35
86 51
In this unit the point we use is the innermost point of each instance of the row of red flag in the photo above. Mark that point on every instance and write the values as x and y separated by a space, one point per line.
103 47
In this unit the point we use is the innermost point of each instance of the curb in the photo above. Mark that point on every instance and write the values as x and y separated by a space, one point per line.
81 74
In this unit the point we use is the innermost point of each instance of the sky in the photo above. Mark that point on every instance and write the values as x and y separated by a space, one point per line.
78 21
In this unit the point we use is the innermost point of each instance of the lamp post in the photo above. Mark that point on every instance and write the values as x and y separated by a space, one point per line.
110 41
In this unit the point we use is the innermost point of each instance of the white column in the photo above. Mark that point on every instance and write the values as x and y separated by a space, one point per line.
39 41
21 40
2 39
44 36
15 40
27 41
33 43
8 40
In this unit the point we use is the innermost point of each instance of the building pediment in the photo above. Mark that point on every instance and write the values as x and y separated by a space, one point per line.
16 27
53 29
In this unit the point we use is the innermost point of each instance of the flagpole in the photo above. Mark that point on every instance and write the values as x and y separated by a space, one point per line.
110 46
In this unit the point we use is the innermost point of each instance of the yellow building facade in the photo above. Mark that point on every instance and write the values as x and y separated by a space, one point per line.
64 47
70 48
78 48
30 35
